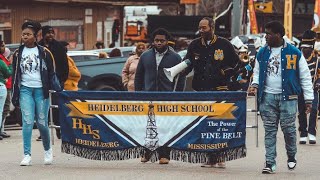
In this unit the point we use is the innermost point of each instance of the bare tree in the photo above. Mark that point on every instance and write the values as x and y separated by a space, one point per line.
212 7
168 10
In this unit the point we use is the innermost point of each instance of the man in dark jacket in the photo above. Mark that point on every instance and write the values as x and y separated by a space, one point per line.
151 77
61 64
214 62
213 59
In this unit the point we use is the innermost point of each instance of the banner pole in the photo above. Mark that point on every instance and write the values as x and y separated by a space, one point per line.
51 117
256 118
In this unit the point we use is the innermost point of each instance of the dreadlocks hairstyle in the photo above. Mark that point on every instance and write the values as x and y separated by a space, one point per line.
161 31
276 27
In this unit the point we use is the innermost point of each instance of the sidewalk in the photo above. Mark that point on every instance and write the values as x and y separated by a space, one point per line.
71 167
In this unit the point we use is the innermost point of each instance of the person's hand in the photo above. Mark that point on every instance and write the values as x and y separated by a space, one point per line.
317 86
252 91
10 59
243 81
308 108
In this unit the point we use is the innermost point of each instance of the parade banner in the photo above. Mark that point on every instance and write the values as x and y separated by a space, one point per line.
125 125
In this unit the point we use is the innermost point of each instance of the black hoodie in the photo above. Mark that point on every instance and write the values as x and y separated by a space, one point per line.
60 58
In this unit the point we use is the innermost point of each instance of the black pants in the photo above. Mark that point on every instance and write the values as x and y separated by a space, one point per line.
212 158
164 152
304 126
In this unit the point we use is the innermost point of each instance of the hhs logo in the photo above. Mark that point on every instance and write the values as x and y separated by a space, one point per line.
86 129
291 62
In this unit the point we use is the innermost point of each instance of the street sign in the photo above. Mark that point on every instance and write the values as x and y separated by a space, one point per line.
263 7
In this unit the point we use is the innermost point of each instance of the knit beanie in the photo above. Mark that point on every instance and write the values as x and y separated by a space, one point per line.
308 38
46 29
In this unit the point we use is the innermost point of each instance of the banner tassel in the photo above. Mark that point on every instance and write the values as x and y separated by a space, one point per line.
203 157
104 155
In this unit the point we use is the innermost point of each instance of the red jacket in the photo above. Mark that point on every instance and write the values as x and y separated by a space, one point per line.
9 81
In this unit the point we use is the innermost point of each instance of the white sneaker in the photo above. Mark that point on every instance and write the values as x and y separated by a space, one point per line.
303 140
48 157
220 165
292 163
312 139
26 161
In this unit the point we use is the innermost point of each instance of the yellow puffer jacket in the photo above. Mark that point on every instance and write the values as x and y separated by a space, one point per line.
73 77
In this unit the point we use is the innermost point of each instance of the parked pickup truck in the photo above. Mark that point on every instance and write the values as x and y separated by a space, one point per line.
105 74
101 74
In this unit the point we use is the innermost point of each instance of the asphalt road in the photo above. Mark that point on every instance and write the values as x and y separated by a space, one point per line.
70 167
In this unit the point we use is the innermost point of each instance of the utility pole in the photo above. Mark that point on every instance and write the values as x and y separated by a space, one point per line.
236 17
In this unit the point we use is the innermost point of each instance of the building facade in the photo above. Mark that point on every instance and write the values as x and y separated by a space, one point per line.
81 23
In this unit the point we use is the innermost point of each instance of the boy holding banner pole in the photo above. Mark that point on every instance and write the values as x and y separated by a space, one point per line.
151 77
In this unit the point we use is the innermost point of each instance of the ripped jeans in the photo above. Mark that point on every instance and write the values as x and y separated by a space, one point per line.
275 111
34 108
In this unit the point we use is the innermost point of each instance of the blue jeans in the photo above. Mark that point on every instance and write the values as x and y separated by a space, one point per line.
274 110
34 108
303 121
3 97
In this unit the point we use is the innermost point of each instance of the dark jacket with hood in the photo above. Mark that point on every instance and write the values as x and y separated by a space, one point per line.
60 57
46 71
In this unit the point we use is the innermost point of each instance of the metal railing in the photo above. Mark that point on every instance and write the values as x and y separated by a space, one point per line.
255 111
51 125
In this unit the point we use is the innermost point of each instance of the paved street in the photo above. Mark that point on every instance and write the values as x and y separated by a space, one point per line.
71 167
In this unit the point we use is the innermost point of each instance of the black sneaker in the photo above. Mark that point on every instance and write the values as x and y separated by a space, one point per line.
58 132
292 163
269 169
4 135
39 138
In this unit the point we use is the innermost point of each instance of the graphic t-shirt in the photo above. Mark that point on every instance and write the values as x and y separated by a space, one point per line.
273 79
30 68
